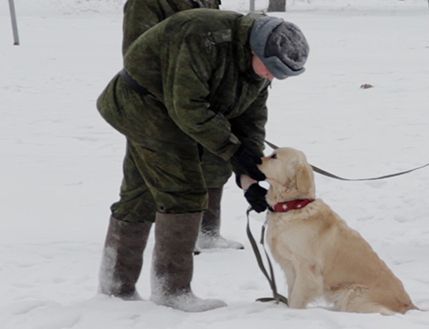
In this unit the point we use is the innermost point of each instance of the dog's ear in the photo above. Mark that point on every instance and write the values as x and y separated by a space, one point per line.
305 179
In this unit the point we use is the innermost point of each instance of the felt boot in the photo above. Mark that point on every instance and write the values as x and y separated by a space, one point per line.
172 263
209 236
123 258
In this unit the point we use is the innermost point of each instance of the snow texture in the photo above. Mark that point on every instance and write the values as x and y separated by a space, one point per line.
61 164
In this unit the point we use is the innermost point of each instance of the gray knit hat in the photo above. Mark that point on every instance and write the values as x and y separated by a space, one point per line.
280 45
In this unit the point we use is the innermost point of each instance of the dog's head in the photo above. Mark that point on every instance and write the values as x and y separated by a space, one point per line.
289 175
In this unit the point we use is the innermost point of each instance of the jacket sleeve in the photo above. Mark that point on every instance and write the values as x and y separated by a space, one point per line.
250 126
189 62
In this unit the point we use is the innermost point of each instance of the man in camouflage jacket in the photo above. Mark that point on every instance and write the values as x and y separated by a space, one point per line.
139 16
196 81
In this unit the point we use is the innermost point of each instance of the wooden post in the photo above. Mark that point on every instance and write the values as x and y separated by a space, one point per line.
277 5
252 6
14 23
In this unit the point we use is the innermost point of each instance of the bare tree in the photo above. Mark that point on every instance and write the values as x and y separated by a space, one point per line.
278 5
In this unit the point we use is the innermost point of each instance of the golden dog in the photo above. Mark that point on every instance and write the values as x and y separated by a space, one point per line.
320 255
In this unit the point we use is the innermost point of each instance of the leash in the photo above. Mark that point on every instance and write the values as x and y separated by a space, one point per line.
328 174
270 276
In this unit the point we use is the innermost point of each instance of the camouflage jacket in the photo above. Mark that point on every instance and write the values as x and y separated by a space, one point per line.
198 64
141 15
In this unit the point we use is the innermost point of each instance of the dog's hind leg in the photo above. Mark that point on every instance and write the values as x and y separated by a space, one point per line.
356 300
365 306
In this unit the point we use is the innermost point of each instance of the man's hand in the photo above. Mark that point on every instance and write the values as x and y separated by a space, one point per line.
247 162
255 196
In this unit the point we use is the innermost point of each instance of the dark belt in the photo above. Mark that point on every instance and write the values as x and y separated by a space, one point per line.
133 84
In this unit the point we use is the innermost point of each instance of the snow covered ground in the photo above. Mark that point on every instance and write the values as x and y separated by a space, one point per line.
60 163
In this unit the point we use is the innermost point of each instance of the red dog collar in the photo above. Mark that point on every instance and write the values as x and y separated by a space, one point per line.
290 205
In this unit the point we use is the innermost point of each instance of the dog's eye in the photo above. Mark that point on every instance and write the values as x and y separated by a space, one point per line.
274 156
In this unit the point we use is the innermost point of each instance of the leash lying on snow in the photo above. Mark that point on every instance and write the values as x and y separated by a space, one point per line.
328 174
270 276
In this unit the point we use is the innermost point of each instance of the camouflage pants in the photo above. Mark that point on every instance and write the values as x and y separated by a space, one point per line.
164 170
143 191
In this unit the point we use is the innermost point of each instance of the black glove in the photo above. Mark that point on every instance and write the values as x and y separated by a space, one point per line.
246 160
255 196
